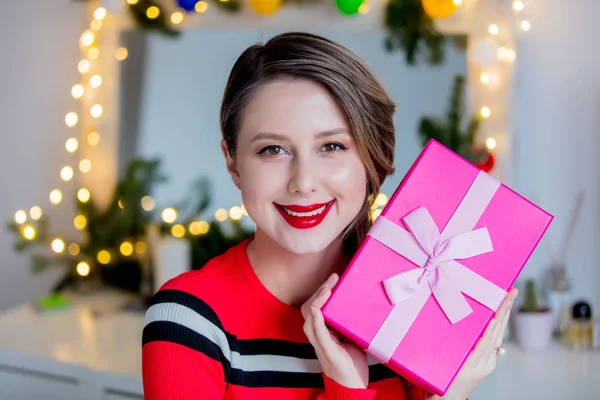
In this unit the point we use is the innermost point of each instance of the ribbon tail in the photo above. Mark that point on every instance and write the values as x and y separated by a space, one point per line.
403 285
475 286
396 325
447 293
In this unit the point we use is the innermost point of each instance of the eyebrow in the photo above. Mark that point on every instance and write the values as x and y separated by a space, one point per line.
320 135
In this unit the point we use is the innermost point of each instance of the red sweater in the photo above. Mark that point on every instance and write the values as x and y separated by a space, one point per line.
218 333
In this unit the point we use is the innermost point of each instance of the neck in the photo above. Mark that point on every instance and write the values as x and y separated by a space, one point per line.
290 277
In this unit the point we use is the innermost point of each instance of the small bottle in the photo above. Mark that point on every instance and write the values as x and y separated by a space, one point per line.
580 332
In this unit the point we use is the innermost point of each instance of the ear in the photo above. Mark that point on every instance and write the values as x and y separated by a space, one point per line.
231 165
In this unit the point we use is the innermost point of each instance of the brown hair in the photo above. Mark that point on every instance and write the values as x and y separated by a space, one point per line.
366 105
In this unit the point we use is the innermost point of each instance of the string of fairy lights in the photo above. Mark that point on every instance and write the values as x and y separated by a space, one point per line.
91 81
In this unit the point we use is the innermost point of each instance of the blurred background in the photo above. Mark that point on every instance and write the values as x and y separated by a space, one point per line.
113 180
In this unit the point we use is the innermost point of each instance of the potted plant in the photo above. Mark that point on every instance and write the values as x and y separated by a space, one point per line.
533 321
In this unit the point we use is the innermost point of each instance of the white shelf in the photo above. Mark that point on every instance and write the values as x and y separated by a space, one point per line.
71 354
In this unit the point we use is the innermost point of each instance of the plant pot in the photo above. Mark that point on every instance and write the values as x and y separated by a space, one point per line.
533 330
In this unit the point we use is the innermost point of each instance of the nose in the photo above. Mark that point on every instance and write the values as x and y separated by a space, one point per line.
303 177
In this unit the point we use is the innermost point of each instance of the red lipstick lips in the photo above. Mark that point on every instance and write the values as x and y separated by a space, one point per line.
304 217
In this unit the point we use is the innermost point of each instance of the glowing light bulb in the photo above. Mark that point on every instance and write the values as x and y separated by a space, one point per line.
80 222
364 8
77 91
73 249
85 166
177 18
169 215
83 195
95 81
20 217
221 215
193 228
29 233
375 214
71 119
121 53
203 227
100 13
93 53
235 213
485 112
493 29
58 246
66 173
485 78
518 5
87 38
55 196
490 143
93 138
153 12
178 230
132 2
457 3
71 145
140 247
96 25
120 204
83 66
148 203
35 212
201 6
525 25
126 248
381 200
96 110
83 268
103 257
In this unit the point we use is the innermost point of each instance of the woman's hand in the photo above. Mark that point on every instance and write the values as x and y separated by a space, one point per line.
482 361
340 361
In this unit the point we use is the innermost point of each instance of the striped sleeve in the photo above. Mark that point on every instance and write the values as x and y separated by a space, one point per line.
185 351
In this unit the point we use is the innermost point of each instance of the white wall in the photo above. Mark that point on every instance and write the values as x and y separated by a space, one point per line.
38 66
557 130
184 84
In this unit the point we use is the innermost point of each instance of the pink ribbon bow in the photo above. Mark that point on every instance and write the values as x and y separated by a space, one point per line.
437 272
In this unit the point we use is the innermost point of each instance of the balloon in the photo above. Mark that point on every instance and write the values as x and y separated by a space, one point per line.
265 7
348 7
187 5
439 8
484 52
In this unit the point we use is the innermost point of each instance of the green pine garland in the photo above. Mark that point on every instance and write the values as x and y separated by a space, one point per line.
449 132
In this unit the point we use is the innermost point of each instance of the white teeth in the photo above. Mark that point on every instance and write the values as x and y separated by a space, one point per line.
305 214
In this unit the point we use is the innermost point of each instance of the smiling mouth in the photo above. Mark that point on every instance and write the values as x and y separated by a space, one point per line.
304 217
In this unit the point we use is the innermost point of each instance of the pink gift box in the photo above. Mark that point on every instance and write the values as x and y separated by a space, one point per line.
455 240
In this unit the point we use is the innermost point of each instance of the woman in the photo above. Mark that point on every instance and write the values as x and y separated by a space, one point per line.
308 139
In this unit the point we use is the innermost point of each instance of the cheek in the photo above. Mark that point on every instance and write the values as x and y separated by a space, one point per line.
348 178
260 180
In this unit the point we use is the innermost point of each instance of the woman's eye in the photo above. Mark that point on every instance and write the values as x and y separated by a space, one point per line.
271 150
333 147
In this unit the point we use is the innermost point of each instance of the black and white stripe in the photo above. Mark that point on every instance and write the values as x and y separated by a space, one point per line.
178 317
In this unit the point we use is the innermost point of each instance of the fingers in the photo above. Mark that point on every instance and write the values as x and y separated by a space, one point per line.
325 340
506 309
315 302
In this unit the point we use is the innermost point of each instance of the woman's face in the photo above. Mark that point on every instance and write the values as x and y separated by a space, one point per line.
301 179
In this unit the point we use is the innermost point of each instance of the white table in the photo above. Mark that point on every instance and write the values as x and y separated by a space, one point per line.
71 355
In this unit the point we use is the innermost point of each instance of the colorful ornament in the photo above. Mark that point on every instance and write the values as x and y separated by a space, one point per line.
438 9
486 164
349 7
187 5
265 7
